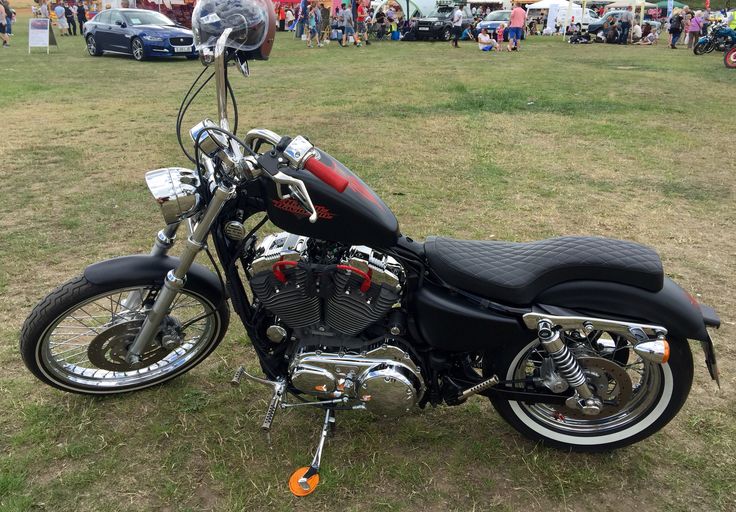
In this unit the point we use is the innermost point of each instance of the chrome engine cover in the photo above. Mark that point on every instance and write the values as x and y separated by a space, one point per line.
324 298
385 379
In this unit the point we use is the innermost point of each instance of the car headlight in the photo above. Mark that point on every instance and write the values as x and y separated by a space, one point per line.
437 23
153 39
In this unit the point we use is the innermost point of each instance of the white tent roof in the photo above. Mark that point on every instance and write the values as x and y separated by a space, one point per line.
629 3
546 4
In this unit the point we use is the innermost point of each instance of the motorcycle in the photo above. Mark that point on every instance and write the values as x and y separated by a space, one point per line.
579 342
720 37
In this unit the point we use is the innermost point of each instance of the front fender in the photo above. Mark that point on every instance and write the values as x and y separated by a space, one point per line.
140 268
671 307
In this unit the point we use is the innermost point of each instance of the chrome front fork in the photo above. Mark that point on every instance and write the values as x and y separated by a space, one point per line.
176 277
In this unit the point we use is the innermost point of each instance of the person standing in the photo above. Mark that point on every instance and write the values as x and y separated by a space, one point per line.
347 26
70 21
44 9
3 18
8 17
675 29
516 27
362 26
81 17
60 13
694 29
627 18
457 26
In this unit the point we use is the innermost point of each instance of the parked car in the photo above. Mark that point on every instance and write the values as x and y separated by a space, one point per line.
438 25
596 26
493 20
137 32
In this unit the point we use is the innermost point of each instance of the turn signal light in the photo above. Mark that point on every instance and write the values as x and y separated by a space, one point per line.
657 351
322 388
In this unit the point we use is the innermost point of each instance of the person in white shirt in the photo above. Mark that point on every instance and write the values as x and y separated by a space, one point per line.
636 33
485 42
457 26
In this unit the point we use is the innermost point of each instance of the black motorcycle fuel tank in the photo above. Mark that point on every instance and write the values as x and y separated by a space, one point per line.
355 216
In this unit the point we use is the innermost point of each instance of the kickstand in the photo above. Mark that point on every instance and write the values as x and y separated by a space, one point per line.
304 480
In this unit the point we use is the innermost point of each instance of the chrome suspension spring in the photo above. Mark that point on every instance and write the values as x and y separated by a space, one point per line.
566 364
568 367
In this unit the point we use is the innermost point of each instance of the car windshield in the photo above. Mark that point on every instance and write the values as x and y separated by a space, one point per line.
147 18
499 16
441 12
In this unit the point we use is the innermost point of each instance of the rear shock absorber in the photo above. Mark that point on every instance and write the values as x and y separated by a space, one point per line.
568 368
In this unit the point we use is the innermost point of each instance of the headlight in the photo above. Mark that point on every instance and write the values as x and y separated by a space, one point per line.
437 23
153 39
175 191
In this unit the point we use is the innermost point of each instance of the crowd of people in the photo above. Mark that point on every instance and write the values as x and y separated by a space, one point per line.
349 23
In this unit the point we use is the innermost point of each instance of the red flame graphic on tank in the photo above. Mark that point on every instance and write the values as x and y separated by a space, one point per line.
293 206
354 181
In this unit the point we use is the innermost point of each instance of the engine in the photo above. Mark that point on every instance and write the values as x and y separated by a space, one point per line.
338 307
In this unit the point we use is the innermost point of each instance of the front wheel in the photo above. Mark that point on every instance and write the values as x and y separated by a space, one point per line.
77 337
639 397
729 58
136 47
701 47
92 47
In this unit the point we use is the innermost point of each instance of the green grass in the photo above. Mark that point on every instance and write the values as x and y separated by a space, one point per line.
556 139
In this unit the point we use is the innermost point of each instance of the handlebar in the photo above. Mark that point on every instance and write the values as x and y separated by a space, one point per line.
327 174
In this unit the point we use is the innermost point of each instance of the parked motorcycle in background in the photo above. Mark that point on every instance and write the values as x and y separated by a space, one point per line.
719 38
578 342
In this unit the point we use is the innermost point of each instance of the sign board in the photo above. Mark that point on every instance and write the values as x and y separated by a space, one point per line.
38 33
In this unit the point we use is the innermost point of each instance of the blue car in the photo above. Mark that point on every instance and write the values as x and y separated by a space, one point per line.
137 32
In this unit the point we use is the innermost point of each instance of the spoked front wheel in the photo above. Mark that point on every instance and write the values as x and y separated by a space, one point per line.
639 397
76 339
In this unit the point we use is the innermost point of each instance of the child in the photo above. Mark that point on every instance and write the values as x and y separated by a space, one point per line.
499 36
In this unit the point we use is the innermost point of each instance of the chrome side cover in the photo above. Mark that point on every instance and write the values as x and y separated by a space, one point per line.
175 191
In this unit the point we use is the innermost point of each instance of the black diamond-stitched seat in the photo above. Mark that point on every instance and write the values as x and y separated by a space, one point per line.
517 272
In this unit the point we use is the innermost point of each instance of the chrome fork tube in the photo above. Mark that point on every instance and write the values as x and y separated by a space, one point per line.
164 241
176 278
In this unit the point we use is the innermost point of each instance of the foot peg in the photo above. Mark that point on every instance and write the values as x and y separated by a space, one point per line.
478 388
279 387
304 480
235 381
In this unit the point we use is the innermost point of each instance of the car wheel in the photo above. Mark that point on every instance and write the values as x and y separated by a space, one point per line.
136 46
92 47
446 34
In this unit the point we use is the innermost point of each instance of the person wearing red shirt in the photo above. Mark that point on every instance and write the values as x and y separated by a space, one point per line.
361 17
516 26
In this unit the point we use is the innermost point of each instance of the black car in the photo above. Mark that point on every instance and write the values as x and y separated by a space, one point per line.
138 32
438 25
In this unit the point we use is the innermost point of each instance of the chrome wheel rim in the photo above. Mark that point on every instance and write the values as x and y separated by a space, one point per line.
91 45
101 327
137 50
646 380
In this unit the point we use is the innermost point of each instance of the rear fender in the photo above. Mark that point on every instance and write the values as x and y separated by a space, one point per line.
144 268
671 307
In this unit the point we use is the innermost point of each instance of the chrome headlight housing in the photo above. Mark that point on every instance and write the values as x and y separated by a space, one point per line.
175 189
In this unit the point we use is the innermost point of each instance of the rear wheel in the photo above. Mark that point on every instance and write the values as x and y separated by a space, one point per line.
640 397
446 34
729 58
77 337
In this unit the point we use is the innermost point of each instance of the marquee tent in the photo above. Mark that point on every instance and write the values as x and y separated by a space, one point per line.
619 4
663 4
546 4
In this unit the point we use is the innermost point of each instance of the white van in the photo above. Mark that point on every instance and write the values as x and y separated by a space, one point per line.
577 13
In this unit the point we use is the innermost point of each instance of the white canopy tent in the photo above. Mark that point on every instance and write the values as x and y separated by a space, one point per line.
623 4
546 4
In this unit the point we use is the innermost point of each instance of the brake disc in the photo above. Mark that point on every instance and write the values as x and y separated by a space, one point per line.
109 348
611 383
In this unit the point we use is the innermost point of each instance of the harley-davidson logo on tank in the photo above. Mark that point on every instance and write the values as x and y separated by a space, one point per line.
293 206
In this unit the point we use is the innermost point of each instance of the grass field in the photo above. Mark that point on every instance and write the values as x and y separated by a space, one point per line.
626 142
